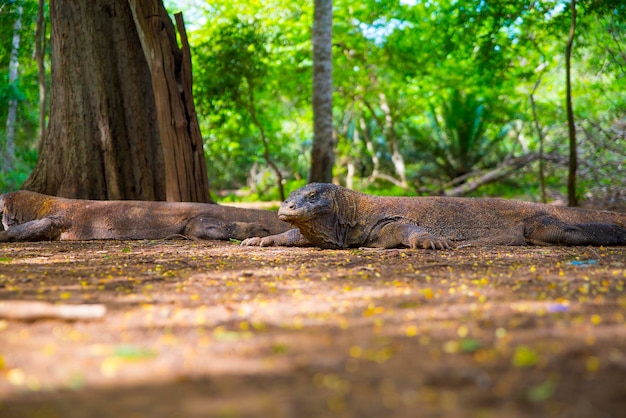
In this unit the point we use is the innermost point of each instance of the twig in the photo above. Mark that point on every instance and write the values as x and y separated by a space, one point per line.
32 310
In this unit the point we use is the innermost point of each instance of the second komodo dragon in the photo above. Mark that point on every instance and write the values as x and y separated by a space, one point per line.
28 216
330 216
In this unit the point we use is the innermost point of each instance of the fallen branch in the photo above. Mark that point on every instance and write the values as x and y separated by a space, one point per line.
497 173
32 310
386 177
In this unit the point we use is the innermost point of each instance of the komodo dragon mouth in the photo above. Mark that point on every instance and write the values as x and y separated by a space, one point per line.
292 213
286 217
289 211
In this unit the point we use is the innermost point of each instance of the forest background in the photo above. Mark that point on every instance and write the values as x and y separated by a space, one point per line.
457 97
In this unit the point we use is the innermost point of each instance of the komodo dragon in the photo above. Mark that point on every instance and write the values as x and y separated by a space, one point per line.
329 216
28 216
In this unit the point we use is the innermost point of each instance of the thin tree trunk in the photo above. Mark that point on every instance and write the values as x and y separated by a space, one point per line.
40 48
376 174
573 155
185 165
386 126
266 146
351 169
323 152
9 151
369 145
542 178
392 138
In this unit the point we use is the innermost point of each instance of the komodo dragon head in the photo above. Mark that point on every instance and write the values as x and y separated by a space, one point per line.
2 215
7 218
317 210
309 202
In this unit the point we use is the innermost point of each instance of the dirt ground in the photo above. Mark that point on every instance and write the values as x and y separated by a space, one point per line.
212 329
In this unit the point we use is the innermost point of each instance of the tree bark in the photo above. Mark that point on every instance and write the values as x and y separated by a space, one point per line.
323 152
176 118
102 140
9 149
573 155
114 125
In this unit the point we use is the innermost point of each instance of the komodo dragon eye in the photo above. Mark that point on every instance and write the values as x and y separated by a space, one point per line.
311 196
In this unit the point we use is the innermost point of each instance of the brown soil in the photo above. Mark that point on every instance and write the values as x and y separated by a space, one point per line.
212 329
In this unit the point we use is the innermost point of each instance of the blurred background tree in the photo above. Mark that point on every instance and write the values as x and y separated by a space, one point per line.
19 92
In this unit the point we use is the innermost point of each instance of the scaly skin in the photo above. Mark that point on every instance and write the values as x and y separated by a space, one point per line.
28 216
329 216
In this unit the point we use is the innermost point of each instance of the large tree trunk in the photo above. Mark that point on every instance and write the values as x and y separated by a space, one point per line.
323 153
102 140
105 139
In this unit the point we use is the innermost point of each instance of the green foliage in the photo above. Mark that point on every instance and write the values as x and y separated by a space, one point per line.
543 391
24 162
457 137
25 90
443 86
247 87
234 61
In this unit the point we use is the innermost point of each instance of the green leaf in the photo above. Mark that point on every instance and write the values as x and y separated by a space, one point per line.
524 356
469 345
129 352
543 391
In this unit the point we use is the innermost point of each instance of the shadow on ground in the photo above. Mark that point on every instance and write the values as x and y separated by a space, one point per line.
212 329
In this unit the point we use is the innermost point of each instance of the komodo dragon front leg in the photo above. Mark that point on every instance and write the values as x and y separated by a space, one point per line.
396 234
44 229
389 235
291 238
547 230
